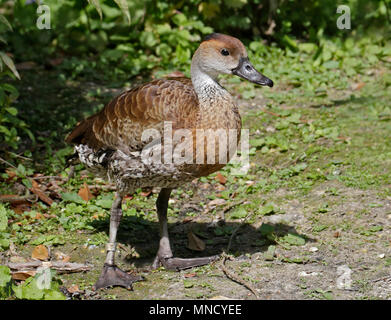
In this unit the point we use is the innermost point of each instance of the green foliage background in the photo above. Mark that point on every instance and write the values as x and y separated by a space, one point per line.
123 39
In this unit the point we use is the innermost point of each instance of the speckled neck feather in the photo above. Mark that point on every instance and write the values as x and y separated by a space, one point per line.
206 85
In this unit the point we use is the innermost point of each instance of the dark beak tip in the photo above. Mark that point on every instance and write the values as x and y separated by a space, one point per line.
270 83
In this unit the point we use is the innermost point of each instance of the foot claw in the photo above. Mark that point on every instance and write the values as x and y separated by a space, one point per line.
113 276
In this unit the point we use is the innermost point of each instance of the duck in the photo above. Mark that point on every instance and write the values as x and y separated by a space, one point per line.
157 135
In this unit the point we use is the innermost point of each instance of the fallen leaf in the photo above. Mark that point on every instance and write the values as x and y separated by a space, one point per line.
219 187
190 275
73 289
187 219
62 256
195 243
40 252
357 86
205 186
41 195
10 173
216 202
85 193
38 216
22 207
220 178
23 275
146 193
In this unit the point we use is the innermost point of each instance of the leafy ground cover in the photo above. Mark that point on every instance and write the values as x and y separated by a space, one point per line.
314 209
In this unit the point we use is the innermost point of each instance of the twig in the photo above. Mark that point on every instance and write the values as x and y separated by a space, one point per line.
58 265
47 177
232 275
9 163
19 156
388 278
235 278
19 199
270 112
232 205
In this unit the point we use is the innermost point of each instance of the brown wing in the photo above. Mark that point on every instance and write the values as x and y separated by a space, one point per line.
122 121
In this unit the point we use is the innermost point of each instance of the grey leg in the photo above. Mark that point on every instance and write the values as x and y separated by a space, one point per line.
111 275
164 255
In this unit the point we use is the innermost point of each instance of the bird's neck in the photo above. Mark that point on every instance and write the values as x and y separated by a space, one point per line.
209 92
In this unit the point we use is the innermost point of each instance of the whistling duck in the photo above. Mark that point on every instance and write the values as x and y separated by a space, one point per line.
111 142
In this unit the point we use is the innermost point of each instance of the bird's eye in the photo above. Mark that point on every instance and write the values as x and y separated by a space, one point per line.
224 52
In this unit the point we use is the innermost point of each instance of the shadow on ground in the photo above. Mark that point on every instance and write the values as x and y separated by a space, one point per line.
143 236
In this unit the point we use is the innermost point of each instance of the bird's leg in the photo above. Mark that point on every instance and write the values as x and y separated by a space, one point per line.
112 275
164 255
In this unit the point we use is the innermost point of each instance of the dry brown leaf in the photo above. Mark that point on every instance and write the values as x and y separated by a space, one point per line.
38 216
41 195
187 219
146 193
190 275
85 193
73 289
358 86
40 252
195 243
205 186
60 256
23 275
10 172
22 207
216 202
219 187
220 178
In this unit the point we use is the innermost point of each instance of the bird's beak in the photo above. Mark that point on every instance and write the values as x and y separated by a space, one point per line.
247 71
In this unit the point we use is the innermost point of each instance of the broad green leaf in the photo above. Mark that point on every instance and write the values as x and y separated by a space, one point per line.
10 64
54 295
12 110
31 291
48 240
5 282
5 276
293 239
267 209
266 229
239 213
104 203
3 218
188 283
71 197
4 244
269 254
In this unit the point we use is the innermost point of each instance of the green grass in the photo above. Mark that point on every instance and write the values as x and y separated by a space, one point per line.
311 131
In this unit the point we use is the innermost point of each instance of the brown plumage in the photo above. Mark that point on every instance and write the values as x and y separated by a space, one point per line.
111 142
